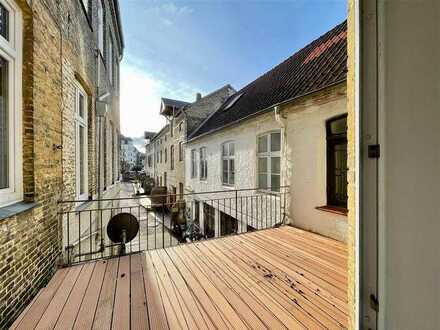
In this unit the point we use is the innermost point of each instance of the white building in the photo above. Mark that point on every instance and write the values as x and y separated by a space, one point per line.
283 135
129 153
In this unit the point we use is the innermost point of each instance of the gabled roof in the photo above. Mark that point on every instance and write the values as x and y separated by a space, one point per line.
174 103
201 109
320 64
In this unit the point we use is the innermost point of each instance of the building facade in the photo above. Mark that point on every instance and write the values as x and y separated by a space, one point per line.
130 155
165 154
59 119
285 130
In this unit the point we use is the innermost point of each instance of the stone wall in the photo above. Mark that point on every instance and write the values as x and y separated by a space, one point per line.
59 43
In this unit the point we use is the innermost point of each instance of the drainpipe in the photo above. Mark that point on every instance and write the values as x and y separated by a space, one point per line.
281 120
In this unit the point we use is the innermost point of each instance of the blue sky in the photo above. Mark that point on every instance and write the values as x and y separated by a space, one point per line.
175 49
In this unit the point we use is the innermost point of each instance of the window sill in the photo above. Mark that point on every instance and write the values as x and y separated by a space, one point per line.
333 209
15 209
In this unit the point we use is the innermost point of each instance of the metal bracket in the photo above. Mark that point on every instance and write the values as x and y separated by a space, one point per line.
374 151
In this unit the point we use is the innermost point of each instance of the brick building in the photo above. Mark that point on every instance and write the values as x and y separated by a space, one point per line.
59 119
165 151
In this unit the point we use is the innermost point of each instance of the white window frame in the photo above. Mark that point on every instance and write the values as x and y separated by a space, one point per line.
100 11
193 163
268 155
228 157
81 122
11 50
203 163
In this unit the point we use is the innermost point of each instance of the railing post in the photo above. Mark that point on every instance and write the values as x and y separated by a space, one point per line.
236 204
163 225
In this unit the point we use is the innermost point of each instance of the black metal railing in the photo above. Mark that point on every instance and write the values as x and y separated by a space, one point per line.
167 220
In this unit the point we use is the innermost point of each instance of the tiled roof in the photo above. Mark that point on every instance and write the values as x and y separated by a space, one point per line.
320 64
174 103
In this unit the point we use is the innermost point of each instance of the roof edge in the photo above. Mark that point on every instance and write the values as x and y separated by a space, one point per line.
258 113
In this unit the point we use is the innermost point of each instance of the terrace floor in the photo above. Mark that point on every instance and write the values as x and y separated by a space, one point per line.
275 278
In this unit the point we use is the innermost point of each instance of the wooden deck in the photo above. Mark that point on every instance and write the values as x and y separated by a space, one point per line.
276 278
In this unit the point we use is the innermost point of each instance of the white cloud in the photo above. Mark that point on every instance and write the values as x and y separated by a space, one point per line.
140 99
168 12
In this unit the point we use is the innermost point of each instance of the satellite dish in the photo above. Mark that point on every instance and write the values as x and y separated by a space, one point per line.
122 228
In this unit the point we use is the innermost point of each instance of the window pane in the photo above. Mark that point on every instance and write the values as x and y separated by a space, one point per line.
4 22
262 181
262 165
275 182
225 171
275 165
339 126
275 142
231 149
4 127
81 106
231 171
81 160
262 143
224 150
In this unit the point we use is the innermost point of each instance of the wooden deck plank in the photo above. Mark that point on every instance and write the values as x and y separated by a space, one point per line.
24 312
177 306
245 312
279 276
301 273
33 315
301 249
138 306
328 253
198 291
229 314
257 287
73 304
104 310
328 270
183 291
156 313
89 304
269 284
121 309
53 311
264 314
276 278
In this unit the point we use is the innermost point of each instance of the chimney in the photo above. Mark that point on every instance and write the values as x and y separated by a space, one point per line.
198 96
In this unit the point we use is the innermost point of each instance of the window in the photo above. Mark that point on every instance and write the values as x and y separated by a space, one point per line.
166 155
209 220
104 147
100 27
81 142
172 157
180 151
228 164
228 224
268 161
203 164
232 101
193 163
337 162
161 156
165 179
11 188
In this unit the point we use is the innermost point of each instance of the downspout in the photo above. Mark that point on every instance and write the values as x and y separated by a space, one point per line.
281 120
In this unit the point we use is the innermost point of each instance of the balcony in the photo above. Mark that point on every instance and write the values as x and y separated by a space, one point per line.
275 278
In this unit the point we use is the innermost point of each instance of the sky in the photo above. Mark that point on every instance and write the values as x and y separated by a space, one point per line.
178 48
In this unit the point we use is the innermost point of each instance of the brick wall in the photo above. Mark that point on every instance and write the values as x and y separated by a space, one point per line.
58 50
